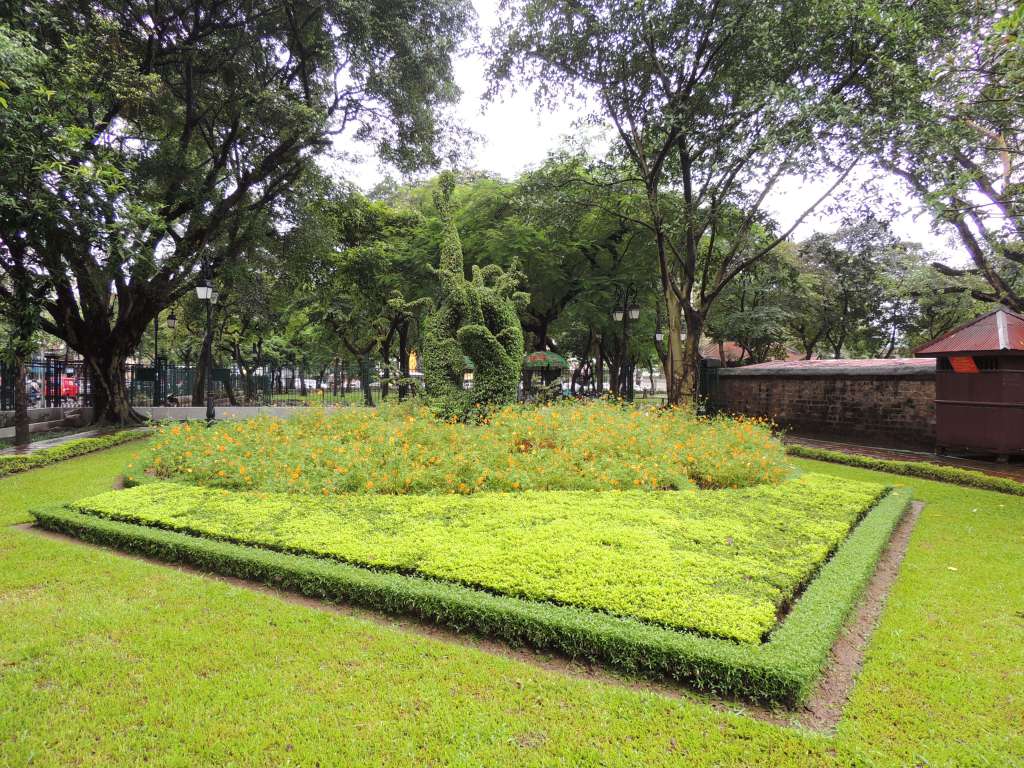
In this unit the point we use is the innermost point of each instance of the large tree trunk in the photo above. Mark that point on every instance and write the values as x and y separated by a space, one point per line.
199 382
385 358
21 423
688 373
676 374
111 399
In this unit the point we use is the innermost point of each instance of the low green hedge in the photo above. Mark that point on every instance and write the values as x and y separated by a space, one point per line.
716 562
19 462
923 469
781 670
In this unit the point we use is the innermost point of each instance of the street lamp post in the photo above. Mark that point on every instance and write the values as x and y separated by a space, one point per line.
206 293
626 311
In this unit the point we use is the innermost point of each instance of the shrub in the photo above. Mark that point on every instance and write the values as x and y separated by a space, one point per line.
477 320
718 562
19 462
403 449
923 469
783 669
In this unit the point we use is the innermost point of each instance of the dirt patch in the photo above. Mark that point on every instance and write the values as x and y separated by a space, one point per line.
821 713
826 704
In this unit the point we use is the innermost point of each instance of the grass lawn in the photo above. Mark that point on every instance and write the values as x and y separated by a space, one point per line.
106 660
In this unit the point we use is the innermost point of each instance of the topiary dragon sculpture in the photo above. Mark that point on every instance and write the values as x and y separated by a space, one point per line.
476 319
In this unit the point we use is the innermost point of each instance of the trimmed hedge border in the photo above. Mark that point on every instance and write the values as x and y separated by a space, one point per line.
12 463
782 670
922 469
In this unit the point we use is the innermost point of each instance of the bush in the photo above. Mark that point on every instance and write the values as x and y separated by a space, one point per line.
782 670
19 462
718 562
404 449
923 469
477 320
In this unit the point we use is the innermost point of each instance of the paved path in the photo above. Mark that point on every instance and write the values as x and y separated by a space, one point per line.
1013 470
38 445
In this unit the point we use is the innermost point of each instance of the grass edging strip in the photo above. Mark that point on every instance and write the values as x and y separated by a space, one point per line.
782 670
20 462
922 469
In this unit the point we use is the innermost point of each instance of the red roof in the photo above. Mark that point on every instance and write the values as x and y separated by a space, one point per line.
997 331
734 352
889 366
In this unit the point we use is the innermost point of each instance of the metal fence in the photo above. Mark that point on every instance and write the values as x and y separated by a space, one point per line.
172 384
59 381
52 381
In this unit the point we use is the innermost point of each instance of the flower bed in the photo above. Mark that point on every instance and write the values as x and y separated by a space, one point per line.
402 449
721 563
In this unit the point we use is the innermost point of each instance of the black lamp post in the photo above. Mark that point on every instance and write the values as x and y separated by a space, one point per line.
625 311
206 293
156 359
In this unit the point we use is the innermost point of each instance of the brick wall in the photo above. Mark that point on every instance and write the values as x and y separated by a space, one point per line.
889 403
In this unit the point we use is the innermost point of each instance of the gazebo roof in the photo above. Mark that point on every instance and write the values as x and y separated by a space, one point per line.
1000 330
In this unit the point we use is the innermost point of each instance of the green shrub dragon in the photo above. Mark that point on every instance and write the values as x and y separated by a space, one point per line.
477 321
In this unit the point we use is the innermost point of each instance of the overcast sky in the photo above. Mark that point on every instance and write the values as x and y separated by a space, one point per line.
516 135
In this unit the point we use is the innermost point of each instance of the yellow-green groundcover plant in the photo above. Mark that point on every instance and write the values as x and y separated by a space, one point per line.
722 563
405 449
783 669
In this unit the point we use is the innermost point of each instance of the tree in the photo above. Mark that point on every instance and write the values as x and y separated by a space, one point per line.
951 125
161 131
757 308
848 291
715 101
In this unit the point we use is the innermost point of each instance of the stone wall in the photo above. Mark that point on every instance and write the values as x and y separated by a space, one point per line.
877 402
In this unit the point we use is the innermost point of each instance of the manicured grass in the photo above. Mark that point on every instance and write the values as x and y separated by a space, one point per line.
718 562
110 661
66 481
923 469
20 462
403 449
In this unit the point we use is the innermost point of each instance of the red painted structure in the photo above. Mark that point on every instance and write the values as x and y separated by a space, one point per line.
979 385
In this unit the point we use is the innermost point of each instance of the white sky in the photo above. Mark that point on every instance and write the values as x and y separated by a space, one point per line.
516 135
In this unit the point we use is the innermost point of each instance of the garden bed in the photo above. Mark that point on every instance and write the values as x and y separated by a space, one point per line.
682 585
722 563
781 670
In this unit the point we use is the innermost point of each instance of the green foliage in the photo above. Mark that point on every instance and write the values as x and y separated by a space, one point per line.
922 469
721 563
226 108
949 122
782 670
476 320
933 688
597 446
762 83
11 463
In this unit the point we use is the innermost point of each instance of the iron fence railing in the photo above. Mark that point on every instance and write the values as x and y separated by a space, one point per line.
55 381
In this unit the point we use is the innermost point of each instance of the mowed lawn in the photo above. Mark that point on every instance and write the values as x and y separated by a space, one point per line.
106 660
